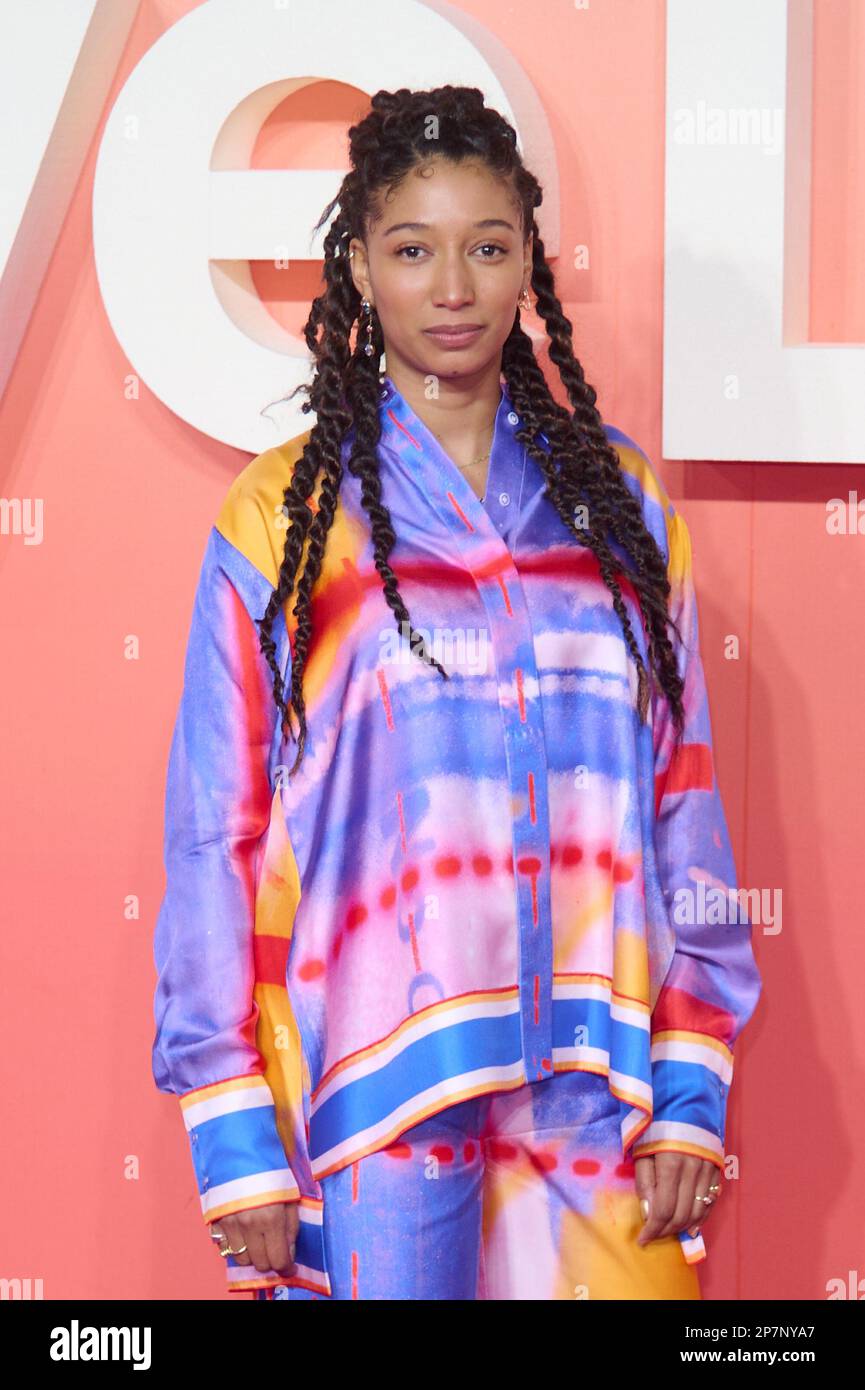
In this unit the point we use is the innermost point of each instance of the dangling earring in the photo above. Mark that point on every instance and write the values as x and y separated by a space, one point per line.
524 300
367 308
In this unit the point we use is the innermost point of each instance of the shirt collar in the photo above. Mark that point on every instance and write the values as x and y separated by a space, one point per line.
409 445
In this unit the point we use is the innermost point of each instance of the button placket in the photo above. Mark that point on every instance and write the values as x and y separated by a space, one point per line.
501 591
526 756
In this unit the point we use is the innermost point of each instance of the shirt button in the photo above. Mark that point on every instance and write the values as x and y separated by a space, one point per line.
513 418
504 498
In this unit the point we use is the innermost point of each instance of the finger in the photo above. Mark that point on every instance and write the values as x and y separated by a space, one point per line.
280 1237
644 1177
233 1237
663 1198
686 1197
644 1182
676 1186
250 1231
709 1177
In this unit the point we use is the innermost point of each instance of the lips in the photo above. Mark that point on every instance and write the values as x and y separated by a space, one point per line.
451 336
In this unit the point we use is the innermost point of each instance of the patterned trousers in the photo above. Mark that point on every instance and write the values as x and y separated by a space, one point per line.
514 1195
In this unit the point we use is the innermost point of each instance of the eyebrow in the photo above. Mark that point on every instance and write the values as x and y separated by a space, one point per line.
426 226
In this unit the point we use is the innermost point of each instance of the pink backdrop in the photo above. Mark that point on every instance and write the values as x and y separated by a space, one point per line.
100 1194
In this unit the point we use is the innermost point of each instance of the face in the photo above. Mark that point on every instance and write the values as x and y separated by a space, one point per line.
447 254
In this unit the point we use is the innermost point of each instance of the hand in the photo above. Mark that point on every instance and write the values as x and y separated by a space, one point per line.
269 1233
671 1183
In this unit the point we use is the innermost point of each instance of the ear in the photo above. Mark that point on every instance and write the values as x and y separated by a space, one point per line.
359 267
528 262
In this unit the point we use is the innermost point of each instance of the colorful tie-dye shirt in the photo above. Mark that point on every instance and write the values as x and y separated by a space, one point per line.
471 883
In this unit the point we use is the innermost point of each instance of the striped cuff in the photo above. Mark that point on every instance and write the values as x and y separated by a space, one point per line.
237 1153
309 1265
691 1076
693 1247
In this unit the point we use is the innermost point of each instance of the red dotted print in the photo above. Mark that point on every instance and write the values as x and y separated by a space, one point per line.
385 696
504 588
311 969
443 1152
448 867
529 864
400 426
355 915
520 695
401 814
543 1161
414 946
458 509
398 1151
585 1167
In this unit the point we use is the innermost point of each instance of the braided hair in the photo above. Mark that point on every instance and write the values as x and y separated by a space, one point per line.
581 470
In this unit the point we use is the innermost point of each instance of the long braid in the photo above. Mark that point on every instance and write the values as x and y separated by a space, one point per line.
581 468
584 470
363 392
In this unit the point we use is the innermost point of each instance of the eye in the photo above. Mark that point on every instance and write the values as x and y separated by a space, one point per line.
487 246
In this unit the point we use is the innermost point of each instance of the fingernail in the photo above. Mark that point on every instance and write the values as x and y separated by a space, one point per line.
644 1207
694 1231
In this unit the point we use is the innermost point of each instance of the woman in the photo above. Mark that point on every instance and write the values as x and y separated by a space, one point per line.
433 991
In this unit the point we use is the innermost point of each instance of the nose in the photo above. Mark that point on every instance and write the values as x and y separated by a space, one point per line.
453 287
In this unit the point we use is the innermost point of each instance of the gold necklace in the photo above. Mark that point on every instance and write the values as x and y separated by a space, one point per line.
482 458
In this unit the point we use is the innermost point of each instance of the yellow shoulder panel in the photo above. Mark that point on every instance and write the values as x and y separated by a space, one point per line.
679 565
253 520
636 463
633 461
251 517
